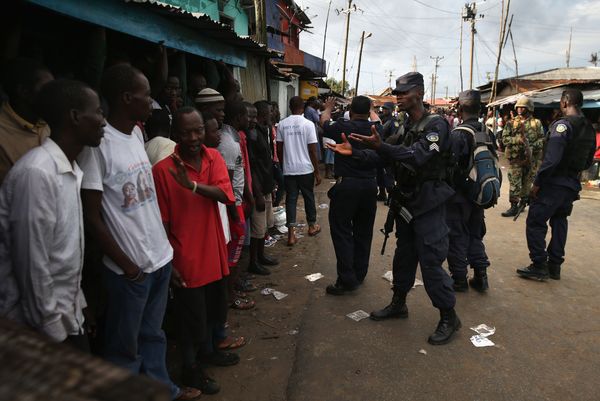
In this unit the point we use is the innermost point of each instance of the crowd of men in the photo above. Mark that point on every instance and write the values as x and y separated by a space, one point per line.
171 190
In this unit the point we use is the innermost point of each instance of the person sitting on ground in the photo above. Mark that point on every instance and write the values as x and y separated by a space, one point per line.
41 223
21 129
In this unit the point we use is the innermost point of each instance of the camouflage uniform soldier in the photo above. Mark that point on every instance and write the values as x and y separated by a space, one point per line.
523 138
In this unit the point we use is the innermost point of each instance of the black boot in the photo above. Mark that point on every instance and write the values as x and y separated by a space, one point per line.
460 284
480 280
514 208
554 271
257 268
448 325
396 309
260 253
254 266
537 271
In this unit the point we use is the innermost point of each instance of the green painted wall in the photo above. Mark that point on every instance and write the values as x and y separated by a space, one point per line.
211 8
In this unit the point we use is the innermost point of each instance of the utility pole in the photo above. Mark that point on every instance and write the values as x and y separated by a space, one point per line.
446 92
414 64
512 42
432 96
471 16
434 82
347 11
569 49
462 17
362 42
389 75
325 36
503 21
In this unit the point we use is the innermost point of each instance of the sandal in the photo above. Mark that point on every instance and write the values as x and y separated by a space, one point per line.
188 393
314 230
232 343
243 304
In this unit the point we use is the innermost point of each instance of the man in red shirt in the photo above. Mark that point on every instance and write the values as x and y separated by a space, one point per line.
188 186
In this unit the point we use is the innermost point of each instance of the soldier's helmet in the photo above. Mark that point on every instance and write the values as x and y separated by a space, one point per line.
526 102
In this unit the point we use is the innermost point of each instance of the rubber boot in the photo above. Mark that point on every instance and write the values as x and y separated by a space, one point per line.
448 325
512 211
536 271
263 259
254 266
396 309
554 271
479 282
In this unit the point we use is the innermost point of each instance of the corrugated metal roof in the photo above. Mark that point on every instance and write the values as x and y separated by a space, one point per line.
208 26
577 73
548 96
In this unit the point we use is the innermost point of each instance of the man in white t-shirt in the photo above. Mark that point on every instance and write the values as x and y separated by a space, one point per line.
297 151
121 209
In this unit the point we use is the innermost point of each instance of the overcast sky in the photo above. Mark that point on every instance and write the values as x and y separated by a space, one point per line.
402 29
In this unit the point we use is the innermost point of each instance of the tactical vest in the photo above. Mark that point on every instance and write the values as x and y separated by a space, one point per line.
433 170
579 153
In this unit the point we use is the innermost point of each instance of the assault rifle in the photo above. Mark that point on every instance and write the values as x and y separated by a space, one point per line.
522 205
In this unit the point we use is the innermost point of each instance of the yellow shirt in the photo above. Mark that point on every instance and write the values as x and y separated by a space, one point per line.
17 137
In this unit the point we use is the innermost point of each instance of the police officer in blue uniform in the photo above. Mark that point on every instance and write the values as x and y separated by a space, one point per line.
465 218
569 150
419 200
390 125
353 199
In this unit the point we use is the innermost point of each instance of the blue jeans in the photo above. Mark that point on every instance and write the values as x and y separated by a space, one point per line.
295 184
134 318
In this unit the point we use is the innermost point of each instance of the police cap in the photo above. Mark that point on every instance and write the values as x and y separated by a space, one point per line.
407 82
389 105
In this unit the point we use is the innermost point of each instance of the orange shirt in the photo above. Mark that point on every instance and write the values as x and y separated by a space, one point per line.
17 137
194 223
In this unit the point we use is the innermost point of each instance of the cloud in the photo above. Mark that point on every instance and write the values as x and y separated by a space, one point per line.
403 29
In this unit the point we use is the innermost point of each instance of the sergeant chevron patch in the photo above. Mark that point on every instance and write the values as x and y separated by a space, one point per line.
434 146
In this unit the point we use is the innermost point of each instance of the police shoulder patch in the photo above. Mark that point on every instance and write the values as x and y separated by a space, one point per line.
433 137
560 128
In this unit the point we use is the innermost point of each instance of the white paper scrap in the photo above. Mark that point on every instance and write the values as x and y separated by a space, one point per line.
484 330
480 341
267 291
389 276
358 315
314 277
418 283
279 295
423 352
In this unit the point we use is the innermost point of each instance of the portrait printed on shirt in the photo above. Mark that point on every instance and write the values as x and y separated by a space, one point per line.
137 187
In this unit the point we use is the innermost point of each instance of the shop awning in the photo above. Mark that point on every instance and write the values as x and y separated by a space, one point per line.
158 22
551 97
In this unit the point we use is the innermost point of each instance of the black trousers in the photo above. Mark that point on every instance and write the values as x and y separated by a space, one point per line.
351 217
424 242
199 310
553 204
